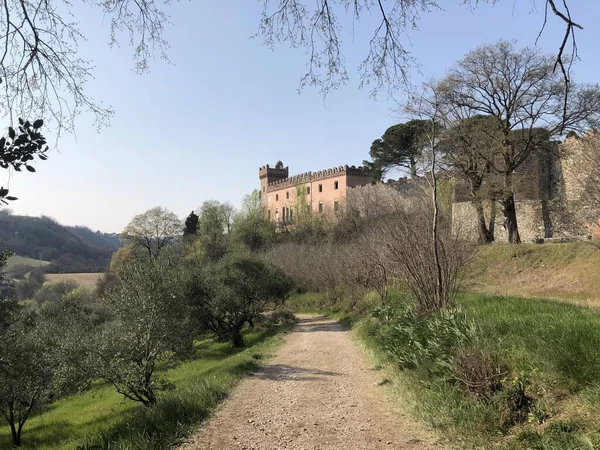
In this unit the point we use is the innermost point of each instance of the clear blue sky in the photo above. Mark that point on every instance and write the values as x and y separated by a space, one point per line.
200 128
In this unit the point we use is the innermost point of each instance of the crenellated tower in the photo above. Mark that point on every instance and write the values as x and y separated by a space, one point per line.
270 175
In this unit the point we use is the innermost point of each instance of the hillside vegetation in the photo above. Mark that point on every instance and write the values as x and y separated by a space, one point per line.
561 271
69 249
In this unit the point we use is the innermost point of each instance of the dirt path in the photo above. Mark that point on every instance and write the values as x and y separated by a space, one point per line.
317 393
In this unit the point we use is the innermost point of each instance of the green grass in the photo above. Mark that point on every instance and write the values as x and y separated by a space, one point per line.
103 419
554 346
17 260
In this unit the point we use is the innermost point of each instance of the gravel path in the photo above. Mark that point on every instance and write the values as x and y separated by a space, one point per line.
317 393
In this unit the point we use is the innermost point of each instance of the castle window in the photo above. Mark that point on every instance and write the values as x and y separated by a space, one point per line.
276 214
336 204
336 184
287 194
291 211
269 199
320 206
276 197
320 188
269 213
308 190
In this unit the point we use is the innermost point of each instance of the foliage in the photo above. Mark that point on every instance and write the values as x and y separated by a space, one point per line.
153 231
52 292
41 358
216 220
400 146
34 280
252 228
429 342
191 225
25 373
100 419
18 150
230 293
150 324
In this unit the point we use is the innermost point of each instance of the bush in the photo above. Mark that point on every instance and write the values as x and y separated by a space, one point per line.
477 372
52 292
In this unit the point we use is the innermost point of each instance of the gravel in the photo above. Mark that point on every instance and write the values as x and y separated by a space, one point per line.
317 393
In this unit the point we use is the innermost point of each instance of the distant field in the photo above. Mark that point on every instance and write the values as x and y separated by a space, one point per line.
86 280
22 260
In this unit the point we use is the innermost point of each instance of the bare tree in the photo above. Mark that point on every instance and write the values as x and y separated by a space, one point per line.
317 26
153 230
41 72
526 96
468 146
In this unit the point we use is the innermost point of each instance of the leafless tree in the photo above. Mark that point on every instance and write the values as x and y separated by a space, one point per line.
526 96
317 26
41 71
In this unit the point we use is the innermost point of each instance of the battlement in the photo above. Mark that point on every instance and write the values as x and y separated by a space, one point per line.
277 172
312 176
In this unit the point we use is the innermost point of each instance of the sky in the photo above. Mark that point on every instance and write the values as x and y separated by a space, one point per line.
199 128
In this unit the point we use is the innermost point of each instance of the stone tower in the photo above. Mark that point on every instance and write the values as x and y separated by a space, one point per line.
271 174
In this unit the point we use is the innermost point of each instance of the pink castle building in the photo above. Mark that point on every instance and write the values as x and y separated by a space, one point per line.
323 191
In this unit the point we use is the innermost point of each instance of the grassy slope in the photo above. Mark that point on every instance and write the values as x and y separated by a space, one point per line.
562 271
554 346
17 260
101 416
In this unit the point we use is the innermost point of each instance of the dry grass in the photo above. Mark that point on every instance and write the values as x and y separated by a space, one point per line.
560 271
86 280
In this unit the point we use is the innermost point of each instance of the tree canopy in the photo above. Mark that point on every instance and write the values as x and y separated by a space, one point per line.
400 147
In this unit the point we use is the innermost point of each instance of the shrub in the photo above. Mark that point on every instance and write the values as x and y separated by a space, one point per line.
477 372
513 403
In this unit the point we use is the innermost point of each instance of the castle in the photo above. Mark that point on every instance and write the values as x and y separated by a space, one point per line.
324 190
557 193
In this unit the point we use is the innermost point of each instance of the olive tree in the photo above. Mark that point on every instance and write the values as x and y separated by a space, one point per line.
230 293
150 323
43 357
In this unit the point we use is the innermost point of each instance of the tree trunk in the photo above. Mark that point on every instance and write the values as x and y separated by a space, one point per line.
237 339
413 168
486 235
16 437
509 210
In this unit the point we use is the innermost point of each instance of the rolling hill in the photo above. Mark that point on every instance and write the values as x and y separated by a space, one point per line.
68 249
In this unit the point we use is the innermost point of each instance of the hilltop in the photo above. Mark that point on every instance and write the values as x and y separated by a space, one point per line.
68 249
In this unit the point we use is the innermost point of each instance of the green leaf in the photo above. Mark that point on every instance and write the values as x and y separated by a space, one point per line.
31 169
3 192
20 121
11 132
38 123
11 198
